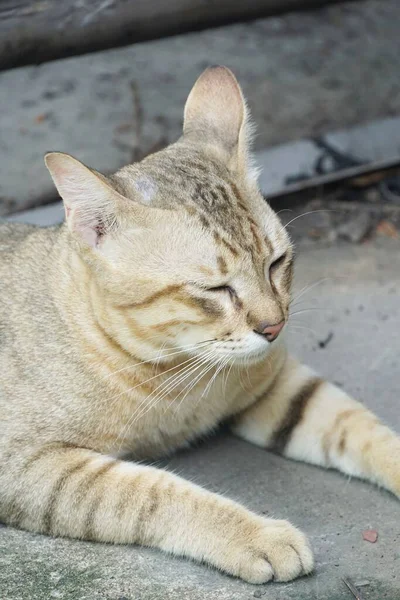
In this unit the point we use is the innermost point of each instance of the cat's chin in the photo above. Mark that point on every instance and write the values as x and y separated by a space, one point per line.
251 357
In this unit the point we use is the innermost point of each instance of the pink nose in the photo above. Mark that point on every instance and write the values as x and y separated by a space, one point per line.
271 332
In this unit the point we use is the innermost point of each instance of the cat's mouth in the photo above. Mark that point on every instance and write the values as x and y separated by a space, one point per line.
251 349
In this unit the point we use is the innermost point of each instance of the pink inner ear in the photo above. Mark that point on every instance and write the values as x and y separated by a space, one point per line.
89 231
89 235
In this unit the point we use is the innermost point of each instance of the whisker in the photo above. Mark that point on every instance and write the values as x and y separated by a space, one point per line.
284 210
227 374
192 384
223 362
197 362
313 308
129 390
310 212
213 364
247 367
210 383
174 384
240 373
308 288
171 381
157 358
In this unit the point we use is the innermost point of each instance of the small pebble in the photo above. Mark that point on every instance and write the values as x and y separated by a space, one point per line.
370 535
355 228
362 583
373 195
258 594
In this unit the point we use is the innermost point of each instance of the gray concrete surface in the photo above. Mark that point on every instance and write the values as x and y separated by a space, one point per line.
303 74
371 142
357 300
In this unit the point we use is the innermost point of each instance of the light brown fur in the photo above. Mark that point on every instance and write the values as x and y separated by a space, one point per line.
118 333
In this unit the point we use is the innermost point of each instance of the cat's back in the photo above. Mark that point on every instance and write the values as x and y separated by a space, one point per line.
27 314
12 234
23 245
25 256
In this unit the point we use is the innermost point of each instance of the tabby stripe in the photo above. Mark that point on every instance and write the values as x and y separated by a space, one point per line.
55 446
58 488
88 483
294 415
167 291
223 192
210 307
269 245
195 165
112 341
205 222
236 193
126 495
173 323
146 511
221 262
231 248
149 498
256 238
17 511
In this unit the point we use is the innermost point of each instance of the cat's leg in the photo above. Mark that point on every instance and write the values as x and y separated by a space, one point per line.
306 418
74 492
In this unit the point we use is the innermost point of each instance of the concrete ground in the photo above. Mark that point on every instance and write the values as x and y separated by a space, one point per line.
303 74
359 305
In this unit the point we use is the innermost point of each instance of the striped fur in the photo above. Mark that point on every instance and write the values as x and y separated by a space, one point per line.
117 334
307 419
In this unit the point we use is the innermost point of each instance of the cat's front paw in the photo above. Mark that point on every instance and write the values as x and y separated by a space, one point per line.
273 550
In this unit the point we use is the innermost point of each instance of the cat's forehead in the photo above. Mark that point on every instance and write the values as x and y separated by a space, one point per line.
205 189
174 178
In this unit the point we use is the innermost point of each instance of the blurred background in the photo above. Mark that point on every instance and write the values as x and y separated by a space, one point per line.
305 73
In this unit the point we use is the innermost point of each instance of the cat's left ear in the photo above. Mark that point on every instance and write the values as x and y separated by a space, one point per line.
216 115
92 206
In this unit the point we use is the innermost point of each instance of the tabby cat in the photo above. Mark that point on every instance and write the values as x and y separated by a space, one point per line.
125 332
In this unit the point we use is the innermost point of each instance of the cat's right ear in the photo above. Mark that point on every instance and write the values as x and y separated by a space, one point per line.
91 204
216 115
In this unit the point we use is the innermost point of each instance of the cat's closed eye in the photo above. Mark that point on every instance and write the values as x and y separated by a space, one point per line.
223 288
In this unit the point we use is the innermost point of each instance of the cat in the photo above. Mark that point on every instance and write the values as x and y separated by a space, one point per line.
124 332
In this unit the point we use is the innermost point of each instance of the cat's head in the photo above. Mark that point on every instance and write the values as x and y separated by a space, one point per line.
181 248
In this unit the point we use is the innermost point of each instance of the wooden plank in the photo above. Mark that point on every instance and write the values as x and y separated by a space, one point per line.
35 31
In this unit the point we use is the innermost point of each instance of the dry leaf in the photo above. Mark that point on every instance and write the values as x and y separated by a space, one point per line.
41 118
387 228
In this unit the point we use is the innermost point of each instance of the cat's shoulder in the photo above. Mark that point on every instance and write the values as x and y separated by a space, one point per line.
13 235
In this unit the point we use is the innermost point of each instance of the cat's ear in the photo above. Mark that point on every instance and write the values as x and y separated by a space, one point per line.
216 114
90 203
